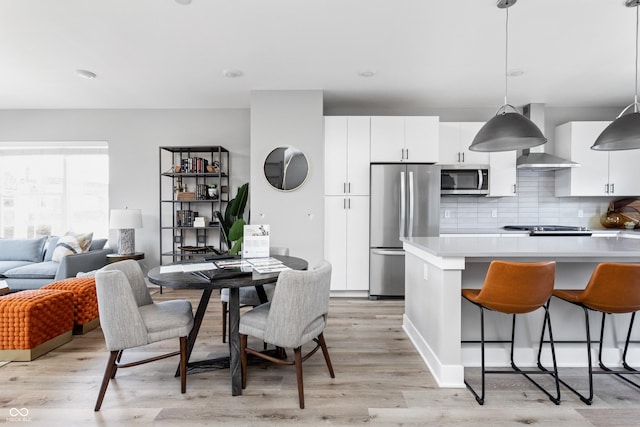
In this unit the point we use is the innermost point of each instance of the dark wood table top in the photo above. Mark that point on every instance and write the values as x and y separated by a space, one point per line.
222 277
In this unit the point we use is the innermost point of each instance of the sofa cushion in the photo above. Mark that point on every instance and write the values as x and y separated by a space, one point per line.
22 249
50 247
97 244
8 265
71 244
38 270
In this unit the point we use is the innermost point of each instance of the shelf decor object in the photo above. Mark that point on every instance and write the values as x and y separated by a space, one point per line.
126 221
507 130
624 132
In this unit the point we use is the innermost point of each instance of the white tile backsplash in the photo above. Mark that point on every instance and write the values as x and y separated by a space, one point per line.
535 203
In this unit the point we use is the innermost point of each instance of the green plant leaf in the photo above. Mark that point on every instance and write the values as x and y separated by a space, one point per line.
237 230
240 201
236 247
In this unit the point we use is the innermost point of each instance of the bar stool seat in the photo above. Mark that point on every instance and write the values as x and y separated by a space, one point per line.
613 288
516 288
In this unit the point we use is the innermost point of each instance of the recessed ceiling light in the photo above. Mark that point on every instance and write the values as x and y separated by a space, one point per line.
232 74
366 73
183 2
515 72
86 74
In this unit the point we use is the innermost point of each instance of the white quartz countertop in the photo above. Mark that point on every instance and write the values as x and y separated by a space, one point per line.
533 247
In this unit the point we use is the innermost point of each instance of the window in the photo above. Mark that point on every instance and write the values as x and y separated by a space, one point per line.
53 188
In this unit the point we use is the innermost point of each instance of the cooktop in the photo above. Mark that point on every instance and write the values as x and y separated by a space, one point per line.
551 230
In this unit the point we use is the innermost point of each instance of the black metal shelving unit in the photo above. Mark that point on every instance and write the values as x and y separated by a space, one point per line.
183 193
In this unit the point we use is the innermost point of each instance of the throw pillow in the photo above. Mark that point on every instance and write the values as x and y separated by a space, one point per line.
71 244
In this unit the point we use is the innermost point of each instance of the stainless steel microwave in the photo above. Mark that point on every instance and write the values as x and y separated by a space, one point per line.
469 181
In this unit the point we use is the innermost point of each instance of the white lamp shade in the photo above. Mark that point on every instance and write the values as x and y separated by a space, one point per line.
125 218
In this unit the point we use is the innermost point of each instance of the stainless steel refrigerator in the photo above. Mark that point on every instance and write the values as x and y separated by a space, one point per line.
405 202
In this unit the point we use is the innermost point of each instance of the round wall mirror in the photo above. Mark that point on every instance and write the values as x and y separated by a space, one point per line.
286 168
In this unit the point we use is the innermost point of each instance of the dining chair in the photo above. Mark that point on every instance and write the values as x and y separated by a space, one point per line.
515 288
129 318
296 315
248 295
613 288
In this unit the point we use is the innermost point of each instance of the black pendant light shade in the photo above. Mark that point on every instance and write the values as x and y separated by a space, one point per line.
507 131
622 134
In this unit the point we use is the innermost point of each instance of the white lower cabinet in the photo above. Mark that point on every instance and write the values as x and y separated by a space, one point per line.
346 241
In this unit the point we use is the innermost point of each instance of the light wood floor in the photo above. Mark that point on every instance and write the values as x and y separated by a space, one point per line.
380 380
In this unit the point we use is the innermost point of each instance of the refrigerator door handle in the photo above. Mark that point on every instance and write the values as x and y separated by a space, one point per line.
403 204
397 252
410 227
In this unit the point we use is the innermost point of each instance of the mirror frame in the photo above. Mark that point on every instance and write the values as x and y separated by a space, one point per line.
297 152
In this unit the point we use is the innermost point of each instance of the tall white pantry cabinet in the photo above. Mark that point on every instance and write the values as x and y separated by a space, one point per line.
346 201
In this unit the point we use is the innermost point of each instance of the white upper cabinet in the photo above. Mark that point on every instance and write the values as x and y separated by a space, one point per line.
455 139
601 173
404 139
346 155
502 174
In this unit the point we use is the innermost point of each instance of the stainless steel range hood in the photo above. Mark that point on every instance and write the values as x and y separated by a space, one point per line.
540 160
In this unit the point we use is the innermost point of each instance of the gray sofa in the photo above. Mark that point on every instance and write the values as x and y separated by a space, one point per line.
27 264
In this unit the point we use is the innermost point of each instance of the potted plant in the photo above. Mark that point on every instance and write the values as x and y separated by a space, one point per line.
232 222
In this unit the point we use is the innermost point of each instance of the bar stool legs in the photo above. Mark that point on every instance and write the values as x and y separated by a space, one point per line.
605 369
517 370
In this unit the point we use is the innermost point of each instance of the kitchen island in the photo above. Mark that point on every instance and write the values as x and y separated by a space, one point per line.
438 321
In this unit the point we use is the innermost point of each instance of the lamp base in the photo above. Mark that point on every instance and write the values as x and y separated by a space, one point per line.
126 241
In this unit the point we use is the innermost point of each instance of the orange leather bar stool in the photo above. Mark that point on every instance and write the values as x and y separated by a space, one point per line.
516 288
612 289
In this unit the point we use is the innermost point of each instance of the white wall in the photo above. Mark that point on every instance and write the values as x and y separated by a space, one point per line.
289 118
134 137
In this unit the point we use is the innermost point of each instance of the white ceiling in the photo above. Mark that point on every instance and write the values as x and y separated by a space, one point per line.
427 53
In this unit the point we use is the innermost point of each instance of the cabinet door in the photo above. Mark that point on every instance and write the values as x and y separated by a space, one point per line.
502 174
335 155
357 258
624 173
335 242
421 139
468 131
387 139
358 141
449 143
592 176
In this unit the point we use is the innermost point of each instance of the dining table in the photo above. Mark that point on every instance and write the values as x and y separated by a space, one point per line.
232 278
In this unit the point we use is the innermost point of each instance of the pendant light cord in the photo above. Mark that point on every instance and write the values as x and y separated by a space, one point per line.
506 55
635 99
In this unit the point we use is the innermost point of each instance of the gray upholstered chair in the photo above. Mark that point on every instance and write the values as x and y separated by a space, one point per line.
129 318
248 295
296 315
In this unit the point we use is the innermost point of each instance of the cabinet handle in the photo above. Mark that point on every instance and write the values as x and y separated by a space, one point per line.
407 150
458 157
463 157
613 188
349 188
514 188
344 203
344 187
349 204
606 189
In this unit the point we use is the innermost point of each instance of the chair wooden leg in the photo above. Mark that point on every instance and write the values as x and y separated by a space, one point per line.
298 361
115 366
183 364
225 314
243 359
325 352
110 370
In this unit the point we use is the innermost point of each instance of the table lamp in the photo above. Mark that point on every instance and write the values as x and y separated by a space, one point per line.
126 221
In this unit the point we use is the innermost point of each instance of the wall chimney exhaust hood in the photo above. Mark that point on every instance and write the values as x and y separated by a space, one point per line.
539 160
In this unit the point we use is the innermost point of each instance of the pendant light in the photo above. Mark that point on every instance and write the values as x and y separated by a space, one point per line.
624 132
507 130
